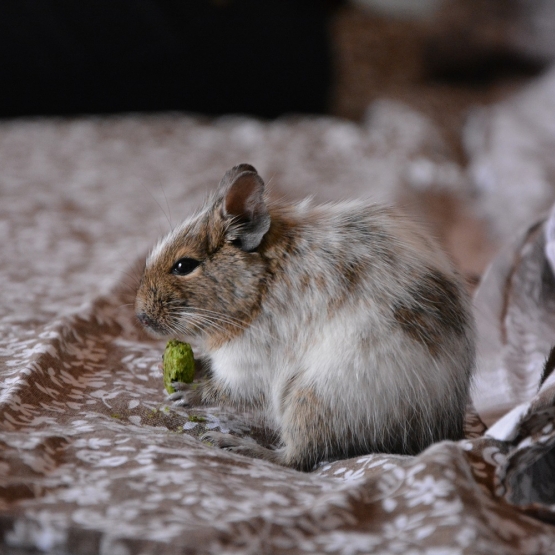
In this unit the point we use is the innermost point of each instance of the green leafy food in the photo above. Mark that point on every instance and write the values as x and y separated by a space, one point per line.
179 364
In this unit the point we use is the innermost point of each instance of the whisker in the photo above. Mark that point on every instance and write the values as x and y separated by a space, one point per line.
212 324
210 313
177 309
223 319
159 205
180 329
124 305
197 320
214 320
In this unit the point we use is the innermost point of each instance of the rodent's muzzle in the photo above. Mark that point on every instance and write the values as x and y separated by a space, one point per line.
150 324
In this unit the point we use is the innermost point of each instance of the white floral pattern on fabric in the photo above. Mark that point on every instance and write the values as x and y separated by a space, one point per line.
94 459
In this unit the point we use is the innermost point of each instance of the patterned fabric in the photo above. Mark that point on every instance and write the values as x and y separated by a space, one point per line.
94 458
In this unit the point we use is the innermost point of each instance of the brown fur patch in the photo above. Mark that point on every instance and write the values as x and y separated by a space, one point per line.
351 272
280 241
350 276
434 311
309 431
375 235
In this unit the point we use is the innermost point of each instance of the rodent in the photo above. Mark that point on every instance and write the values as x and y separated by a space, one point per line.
344 323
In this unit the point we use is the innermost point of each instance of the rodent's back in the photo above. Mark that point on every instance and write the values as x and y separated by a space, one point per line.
366 282
352 253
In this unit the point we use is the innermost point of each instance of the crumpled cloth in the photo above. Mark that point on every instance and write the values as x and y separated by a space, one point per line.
93 457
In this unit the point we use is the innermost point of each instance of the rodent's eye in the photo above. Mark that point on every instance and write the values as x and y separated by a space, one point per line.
184 266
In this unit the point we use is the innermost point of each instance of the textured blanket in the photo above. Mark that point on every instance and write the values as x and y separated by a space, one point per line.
94 459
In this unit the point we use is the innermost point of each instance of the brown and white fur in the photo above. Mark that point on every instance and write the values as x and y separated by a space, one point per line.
344 323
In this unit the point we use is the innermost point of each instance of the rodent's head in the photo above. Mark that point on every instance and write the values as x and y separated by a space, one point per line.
206 277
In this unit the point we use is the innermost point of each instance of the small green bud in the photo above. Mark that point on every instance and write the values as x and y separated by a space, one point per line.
179 364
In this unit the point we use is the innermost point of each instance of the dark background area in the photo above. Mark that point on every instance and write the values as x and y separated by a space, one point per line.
263 58
250 56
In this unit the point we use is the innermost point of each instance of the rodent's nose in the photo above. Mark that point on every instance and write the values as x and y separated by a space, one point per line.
145 320
151 324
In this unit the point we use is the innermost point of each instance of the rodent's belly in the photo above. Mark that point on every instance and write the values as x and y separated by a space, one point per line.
241 371
353 364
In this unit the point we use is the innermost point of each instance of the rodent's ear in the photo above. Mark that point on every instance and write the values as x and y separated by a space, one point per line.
244 202
231 175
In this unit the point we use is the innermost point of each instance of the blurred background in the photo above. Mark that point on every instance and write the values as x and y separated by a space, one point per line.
269 58
444 106
266 58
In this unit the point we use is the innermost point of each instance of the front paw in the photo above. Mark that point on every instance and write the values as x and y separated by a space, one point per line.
243 446
228 442
186 394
